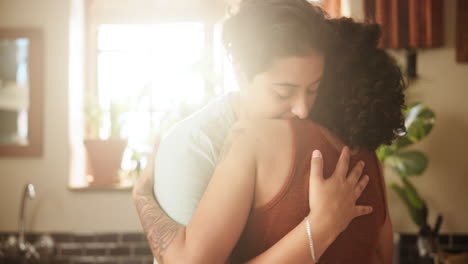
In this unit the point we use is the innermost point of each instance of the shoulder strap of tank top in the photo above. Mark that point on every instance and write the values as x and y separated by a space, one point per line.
292 166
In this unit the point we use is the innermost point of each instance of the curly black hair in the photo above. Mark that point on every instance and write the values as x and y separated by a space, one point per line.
263 30
361 97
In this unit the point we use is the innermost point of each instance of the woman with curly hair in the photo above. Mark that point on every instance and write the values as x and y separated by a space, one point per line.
267 188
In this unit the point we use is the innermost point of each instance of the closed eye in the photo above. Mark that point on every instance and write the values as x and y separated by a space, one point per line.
282 97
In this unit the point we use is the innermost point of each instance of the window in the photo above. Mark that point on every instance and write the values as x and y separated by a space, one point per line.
146 77
152 70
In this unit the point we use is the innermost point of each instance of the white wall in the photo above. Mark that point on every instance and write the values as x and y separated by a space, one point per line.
56 208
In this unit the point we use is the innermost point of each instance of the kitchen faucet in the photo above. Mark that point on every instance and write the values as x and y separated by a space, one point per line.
29 192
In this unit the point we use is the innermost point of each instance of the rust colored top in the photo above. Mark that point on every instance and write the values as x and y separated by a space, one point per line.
268 224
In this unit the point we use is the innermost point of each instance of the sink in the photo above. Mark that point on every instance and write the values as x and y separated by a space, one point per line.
16 249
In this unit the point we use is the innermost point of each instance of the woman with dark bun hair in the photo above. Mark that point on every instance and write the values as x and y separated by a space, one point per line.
314 93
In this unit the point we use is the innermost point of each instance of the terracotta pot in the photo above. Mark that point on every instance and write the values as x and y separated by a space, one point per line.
104 160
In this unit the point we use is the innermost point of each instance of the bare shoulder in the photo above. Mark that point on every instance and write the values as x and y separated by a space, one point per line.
263 128
251 138
273 152
265 135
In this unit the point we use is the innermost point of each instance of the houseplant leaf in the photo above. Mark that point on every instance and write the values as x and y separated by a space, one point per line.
415 216
413 197
93 116
117 117
384 151
419 123
408 163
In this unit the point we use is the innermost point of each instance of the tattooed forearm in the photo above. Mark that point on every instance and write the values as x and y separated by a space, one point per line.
160 229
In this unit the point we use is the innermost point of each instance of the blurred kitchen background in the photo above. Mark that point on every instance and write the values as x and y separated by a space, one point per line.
98 77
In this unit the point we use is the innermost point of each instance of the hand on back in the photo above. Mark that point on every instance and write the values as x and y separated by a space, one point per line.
333 200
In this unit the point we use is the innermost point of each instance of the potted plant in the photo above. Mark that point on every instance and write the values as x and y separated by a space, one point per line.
419 121
104 157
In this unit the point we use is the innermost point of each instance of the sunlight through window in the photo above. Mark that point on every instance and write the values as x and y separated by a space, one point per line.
155 75
149 69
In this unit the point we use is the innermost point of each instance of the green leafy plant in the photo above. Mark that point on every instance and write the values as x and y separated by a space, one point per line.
117 117
419 121
95 115
93 118
134 172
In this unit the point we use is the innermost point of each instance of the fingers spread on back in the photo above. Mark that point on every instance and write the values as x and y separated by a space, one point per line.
343 163
361 185
356 173
363 210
